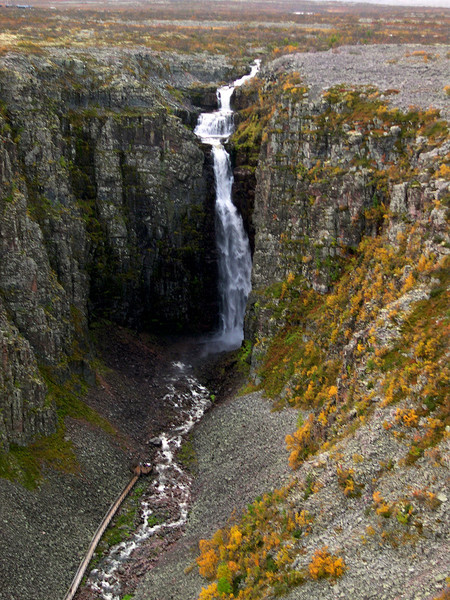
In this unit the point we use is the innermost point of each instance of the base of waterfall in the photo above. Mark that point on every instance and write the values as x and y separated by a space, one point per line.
63 513
221 342
164 504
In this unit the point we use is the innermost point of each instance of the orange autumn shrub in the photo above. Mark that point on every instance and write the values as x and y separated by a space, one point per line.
324 564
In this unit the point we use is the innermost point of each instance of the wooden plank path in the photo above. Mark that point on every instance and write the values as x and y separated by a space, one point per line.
140 470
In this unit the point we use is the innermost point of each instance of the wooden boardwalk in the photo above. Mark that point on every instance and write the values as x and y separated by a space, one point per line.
138 471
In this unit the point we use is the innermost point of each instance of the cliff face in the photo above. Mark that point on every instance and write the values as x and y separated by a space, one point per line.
106 210
331 172
322 205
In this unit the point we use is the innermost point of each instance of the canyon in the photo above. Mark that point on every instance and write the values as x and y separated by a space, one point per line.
107 237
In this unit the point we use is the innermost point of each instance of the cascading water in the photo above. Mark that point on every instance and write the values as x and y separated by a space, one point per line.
234 257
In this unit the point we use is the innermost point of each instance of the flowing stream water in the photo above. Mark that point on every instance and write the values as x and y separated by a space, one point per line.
170 490
233 247
171 487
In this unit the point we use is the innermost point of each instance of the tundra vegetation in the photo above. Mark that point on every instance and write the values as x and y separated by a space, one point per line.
238 30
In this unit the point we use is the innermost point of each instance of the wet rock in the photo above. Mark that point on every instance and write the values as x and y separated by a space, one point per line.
155 441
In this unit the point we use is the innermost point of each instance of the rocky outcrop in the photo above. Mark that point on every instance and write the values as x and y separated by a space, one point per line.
20 386
106 210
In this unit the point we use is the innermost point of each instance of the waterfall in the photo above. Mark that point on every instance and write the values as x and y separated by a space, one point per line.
233 248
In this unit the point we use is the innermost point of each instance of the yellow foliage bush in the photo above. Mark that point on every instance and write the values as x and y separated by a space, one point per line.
304 519
408 417
324 564
208 559
381 507
444 171
235 538
409 283
300 443
347 482
210 593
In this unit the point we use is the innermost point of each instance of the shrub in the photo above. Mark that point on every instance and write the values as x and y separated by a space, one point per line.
208 559
347 482
409 417
301 443
326 565
381 507
404 513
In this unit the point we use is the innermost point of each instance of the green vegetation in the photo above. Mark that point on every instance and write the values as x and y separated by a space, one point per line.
67 397
186 455
154 520
123 525
25 464
244 357
253 557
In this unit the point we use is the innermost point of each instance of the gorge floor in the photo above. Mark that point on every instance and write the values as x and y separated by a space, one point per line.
146 390
234 457
47 530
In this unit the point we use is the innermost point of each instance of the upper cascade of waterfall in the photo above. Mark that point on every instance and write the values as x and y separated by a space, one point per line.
218 126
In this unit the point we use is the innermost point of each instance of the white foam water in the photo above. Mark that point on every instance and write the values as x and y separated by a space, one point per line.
233 247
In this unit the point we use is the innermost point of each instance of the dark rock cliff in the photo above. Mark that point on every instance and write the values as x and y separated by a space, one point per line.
106 211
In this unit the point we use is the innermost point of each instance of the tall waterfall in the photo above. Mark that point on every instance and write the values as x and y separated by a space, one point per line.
233 248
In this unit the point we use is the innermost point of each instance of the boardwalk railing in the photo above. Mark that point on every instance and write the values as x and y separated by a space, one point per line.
141 470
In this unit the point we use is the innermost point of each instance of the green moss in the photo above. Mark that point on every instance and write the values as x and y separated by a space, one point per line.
393 359
176 93
25 464
20 465
187 455
67 397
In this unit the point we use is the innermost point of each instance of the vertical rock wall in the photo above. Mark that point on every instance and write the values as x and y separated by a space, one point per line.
106 211
331 171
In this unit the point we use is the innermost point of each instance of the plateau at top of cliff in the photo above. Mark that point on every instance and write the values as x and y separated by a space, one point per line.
137 65
416 74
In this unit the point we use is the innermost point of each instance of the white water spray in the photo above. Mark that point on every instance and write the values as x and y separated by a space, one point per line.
234 257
